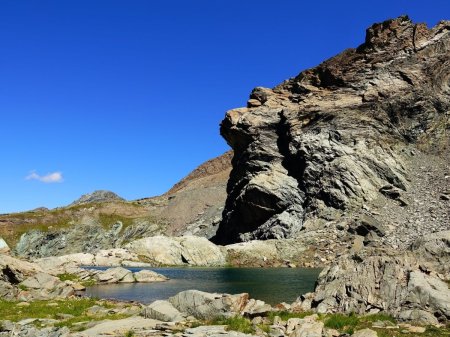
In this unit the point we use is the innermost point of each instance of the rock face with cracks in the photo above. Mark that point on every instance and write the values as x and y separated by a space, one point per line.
338 135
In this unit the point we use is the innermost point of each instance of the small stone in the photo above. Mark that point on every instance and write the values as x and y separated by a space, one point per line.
23 304
365 333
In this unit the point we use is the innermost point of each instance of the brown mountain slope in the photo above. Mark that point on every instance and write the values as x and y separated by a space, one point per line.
197 201
191 206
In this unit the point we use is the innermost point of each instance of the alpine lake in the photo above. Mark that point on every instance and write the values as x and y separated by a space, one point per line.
272 285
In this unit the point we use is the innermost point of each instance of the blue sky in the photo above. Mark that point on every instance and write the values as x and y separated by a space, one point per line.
128 95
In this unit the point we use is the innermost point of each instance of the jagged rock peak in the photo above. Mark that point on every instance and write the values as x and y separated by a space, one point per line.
97 196
327 140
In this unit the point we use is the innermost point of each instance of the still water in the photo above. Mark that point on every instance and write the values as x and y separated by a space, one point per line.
272 285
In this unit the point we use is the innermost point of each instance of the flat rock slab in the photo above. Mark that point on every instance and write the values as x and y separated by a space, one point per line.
213 331
119 327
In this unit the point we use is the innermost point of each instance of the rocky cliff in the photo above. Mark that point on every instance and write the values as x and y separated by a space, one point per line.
351 139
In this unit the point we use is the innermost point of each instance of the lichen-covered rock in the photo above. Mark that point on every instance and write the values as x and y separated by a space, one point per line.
337 136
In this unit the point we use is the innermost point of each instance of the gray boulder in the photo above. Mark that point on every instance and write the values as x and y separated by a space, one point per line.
387 282
191 250
42 286
204 305
147 276
115 275
163 311
4 248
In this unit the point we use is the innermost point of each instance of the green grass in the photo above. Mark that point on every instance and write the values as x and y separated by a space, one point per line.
346 323
68 277
41 309
76 307
107 220
129 333
235 323
75 278
378 317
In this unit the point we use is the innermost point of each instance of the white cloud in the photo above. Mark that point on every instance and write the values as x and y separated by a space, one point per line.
54 177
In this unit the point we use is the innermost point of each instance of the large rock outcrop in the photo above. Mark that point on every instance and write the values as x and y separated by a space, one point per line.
374 281
339 135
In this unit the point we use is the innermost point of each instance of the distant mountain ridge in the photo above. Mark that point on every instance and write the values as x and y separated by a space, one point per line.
97 196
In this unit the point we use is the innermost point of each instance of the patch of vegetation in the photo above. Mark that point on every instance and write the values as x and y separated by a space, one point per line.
42 309
76 307
22 287
341 322
106 220
72 323
129 333
435 331
235 323
264 327
68 277
75 278
378 317
88 283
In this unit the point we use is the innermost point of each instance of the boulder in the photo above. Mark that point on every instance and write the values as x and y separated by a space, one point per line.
256 308
41 281
309 329
389 282
264 253
199 251
42 286
163 311
147 276
191 250
203 305
4 248
115 275
418 316
433 251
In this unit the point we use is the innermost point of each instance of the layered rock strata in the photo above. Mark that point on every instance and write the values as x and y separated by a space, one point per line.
340 135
